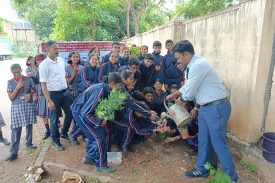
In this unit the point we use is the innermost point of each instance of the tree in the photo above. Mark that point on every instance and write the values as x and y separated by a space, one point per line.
39 13
194 8
1 27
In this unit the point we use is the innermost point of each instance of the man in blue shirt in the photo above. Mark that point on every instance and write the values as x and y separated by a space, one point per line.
205 87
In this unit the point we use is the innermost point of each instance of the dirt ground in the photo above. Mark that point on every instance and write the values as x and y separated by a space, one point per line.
152 162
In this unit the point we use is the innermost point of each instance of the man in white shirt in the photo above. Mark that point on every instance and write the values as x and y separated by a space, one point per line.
54 86
205 87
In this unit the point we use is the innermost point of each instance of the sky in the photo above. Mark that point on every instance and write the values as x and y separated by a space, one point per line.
7 12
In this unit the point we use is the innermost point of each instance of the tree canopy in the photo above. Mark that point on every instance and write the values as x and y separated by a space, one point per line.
81 20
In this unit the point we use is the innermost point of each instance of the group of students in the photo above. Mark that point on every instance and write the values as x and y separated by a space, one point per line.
180 76
146 80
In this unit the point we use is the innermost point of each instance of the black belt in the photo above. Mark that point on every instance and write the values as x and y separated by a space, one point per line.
216 102
61 91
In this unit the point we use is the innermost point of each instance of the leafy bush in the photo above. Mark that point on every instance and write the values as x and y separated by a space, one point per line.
107 107
24 49
217 176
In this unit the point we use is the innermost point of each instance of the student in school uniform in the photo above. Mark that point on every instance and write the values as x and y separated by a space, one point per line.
92 51
95 129
22 93
2 124
72 72
123 61
127 122
52 76
171 73
158 60
159 96
42 108
111 66
149 94
116 49
143 52
32 70
148 72
89 74
133 65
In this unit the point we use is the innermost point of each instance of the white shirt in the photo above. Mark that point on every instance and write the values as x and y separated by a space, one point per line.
203 83
53 74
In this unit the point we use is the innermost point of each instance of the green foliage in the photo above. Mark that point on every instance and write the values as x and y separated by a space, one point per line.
134 51
40 13
22 49
107 107
1 27
163 135
195 8
217 176
249 166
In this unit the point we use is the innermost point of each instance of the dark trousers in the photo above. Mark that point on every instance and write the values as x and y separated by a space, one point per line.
98 138
61 100
16 136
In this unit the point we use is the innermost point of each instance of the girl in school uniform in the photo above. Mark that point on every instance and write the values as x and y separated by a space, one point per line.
89 74
42 108
125 58
2 124
92 51
32 69
72 72
111 66
22 93
95 129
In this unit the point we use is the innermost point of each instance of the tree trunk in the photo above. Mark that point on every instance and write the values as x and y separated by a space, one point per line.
128 19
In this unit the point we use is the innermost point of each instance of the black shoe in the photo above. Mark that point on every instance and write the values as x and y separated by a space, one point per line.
11 157
46 135
105 169
31 146
58 146
73 140
127 150
88 161
195 174
5 141
65 136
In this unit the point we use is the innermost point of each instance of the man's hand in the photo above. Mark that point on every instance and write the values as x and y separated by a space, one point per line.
169 97
51 105
179 101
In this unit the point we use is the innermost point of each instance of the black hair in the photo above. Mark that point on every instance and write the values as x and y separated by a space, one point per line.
144 46
15 66
156 43
28 59
90 56
115 43
113 77
125 48
125 74
158 80
174 86
112 53
149 56
169 41
184 46
133 61
148 90
73 52
50 43
91 50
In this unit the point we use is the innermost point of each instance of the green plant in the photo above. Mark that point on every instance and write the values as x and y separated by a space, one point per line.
135 51
107 107
251 167
217 176
163 135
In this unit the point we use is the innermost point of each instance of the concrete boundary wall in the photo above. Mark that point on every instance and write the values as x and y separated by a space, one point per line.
238 41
